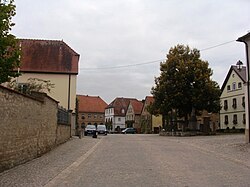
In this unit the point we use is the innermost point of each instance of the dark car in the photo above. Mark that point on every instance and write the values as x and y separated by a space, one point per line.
101 129
90 129
129 131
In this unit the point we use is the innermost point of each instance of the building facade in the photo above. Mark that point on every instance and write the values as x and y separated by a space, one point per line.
150 123
91 110
115 114
51 60
232 113
133 115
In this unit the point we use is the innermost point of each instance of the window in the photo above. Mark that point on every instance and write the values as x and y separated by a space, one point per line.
89 115
225 105
101 116
226 119
95 116
234 103
235 119
228 88
119 119
83 116
234 86
243 101
239 85
244 119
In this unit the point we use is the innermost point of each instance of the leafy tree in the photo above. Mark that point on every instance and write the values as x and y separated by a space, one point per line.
9 49
33 84
185 85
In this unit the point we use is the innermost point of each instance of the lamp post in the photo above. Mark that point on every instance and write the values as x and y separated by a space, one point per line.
246 40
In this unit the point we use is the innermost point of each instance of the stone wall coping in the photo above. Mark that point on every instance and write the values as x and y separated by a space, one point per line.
37 96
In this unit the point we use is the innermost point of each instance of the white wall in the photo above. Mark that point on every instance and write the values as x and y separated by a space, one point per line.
238 93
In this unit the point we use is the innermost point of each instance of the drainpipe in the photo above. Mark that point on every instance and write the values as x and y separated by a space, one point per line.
248 91
69 102
69 92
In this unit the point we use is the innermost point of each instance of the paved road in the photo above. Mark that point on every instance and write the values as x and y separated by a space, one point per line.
139 160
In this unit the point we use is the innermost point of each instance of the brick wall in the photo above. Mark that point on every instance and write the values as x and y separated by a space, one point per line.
28 127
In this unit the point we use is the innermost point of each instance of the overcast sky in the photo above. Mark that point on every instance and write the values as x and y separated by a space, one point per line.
121 42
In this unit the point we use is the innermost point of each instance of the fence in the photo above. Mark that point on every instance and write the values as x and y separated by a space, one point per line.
63 116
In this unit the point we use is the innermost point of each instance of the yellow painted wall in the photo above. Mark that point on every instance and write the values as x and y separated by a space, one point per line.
60 92
156 121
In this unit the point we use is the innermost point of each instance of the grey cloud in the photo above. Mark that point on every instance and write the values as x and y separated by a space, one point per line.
121 32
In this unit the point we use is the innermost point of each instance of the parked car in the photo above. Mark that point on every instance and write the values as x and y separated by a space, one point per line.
90 129
101 129
129 131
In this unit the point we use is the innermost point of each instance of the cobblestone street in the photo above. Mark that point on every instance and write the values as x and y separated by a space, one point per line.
139 160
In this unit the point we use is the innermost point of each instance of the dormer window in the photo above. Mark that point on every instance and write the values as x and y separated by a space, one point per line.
123 111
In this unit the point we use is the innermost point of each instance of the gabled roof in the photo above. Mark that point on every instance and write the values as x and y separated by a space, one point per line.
149 99
241 73
92 104
50 56
137 106
120 104
244 38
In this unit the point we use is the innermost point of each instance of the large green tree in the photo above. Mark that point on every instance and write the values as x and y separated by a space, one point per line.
185 84
9 49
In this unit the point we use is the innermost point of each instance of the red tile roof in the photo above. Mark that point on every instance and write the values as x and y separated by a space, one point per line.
93 104
50 56
120 104
149 100
137 106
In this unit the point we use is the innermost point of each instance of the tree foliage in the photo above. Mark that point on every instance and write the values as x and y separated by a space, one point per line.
185 83
9 49
32 85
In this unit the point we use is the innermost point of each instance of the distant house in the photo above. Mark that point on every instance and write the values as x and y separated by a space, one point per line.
150 123
214 121
232 113
133 114
115 113
51 60
91 110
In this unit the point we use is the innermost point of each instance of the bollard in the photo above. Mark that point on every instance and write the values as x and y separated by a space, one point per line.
94 134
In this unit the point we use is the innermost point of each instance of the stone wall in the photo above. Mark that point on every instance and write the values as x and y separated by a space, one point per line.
28 127
63 133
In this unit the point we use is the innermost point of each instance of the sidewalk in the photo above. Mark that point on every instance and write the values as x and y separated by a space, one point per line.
40 171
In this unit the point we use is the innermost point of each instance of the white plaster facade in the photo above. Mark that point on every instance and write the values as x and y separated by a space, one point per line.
232 113
117 121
